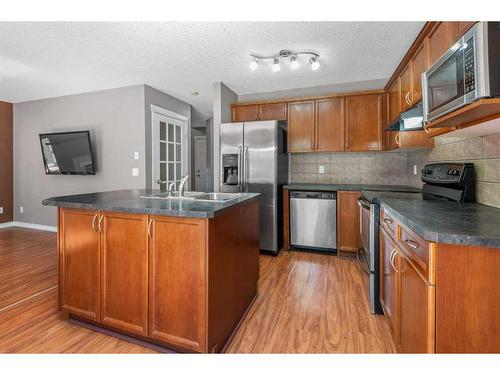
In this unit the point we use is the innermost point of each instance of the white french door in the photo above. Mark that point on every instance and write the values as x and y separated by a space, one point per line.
170 149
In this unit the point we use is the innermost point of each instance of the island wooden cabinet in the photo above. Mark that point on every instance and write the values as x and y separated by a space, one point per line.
79 263
301 126
124 265
150 275
363 122
178 273
348 221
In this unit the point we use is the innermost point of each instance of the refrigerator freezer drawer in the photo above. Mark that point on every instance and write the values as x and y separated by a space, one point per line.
313 223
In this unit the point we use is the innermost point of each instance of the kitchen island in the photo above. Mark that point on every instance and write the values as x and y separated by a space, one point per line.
180 273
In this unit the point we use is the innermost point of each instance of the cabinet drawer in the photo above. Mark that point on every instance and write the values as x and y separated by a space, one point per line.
388 222
419 252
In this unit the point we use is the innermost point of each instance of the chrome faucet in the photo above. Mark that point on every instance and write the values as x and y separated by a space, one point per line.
181 184
171 187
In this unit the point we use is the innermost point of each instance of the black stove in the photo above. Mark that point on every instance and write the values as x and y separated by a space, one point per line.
449 181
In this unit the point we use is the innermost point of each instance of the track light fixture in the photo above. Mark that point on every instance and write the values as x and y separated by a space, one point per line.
285 54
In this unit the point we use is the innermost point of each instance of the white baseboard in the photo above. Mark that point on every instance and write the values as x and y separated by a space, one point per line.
9 224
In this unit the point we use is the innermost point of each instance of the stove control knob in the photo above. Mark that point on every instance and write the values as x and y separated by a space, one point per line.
449 172
456 172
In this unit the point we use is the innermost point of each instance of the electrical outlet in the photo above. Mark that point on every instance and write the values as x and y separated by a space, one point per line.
415 169
321 169
1 210
136 155
135 172
21 210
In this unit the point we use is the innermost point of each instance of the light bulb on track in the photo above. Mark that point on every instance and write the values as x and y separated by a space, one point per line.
314 63
294 64
276 65
254 64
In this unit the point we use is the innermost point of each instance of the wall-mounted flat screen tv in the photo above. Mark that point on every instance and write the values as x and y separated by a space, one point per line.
67 153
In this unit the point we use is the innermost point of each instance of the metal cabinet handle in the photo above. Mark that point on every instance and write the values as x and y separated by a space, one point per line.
100 221
245 164
149 228
410 96
240 168
426 130
397 138
412 244
387 220
93 223
392 256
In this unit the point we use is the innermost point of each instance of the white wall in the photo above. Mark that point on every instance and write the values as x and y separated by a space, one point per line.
115 119
223 97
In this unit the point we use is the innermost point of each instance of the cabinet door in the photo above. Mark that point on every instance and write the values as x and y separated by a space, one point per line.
177 286
124 298
419 63
463 27
406 88
388 281
363 122
301 126
441 39
274 111
241 113
80 263
348 233
330 124
393 111
416 310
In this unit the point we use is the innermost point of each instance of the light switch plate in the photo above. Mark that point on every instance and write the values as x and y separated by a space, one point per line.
415 169
1 210
321 169
21 210
136 155
135 172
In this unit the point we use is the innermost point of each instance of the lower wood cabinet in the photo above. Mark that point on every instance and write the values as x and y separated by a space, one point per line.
348 233
178 273
407 298
124 254
79 263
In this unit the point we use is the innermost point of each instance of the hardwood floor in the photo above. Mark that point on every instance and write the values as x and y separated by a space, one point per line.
307 303
312 303
28 263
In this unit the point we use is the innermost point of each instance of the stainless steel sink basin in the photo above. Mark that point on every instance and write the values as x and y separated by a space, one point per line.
217 197
174 195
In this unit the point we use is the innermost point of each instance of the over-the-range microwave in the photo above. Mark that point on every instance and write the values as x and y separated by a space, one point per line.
468 71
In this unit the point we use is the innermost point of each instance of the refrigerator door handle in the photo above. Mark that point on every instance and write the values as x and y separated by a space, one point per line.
245 169
240 168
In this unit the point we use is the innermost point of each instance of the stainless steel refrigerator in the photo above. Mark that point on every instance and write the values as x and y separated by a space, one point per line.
253 158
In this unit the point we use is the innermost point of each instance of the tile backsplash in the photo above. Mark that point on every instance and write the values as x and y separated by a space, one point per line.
484 152
388 168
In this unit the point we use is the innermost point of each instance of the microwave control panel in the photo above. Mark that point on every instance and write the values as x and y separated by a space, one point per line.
469 74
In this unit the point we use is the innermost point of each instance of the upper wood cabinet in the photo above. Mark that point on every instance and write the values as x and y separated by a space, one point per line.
419 64
441 38
258 112
330 125
363 122
242 113
406 87
463 27
348 233
80 263
124 244
274 111
301 129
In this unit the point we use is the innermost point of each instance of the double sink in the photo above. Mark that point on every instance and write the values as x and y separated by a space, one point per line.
195 196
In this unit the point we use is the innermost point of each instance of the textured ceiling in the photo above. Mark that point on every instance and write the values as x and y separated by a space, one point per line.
41 60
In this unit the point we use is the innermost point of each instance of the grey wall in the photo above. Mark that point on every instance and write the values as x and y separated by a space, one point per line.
223 97
170 103
116 121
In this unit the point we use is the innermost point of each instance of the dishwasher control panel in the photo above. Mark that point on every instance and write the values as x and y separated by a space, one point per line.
313 195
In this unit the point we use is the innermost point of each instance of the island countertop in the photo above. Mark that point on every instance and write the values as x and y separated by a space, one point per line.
130 201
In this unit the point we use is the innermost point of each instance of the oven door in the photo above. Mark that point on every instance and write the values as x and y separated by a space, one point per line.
365 233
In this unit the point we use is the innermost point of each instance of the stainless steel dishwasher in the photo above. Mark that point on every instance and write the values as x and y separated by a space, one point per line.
313 220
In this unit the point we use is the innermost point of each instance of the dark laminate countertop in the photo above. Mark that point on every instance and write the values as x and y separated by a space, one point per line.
442 221
130 201
353 187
